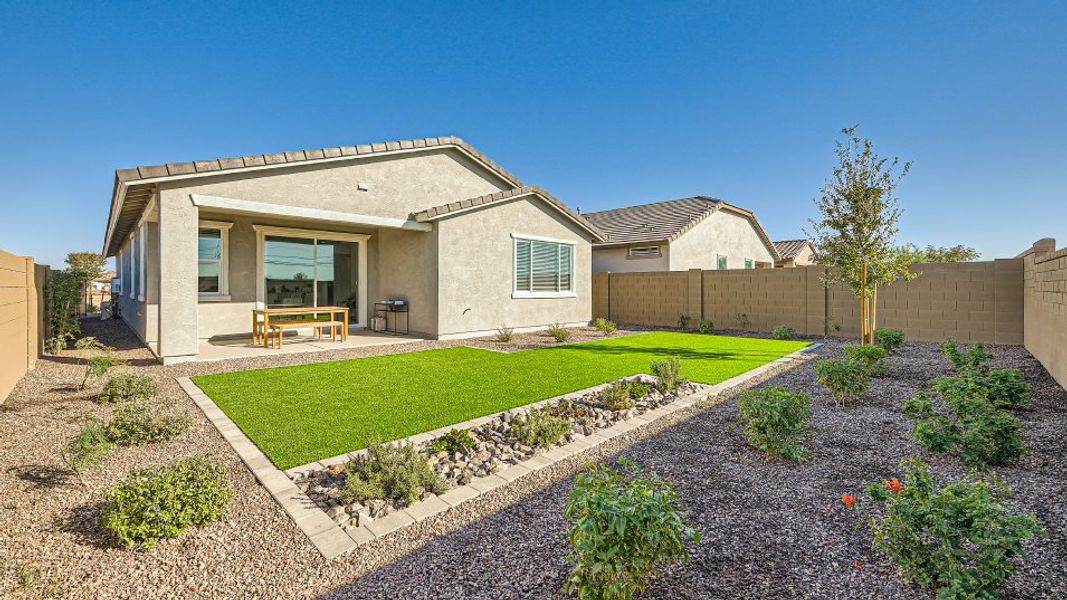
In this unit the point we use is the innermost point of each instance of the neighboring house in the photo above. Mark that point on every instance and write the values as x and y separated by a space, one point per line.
432 221
676 235
794 253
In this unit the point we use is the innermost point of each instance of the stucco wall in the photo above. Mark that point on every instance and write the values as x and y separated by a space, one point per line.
476 266
721 233
407 270
139 311
618 260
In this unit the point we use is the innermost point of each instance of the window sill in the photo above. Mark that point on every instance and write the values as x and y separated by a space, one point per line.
544 295
214 297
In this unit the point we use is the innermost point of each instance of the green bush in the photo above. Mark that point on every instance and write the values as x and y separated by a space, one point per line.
668 374
784 332
980 434
960 540
706 326
123 388
559 332
540 428
639 389
99 358
62 296
162 502
605 326
846 379
390 472
137 423
626 523
871 357
505 334
1007 388
617 396
974 359
453 441
683 321
889 339
775 421
743 320
88 449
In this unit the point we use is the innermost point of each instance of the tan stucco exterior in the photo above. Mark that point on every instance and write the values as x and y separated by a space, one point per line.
803 258
456 273
721 233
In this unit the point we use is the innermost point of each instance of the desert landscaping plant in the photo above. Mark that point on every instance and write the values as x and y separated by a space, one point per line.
889 340
743 321
1005 388
396 472
540 428
872 357
137 423
705 326
775 420
846 379
87 449
683 322
961 540
163 502
62 296
127 387
617 396
626 523
559 333
784 332
854 234
605 326
505 334
668 374
455 440
99 358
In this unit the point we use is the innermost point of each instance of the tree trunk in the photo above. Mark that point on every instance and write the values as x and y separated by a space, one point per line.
874 311
864 307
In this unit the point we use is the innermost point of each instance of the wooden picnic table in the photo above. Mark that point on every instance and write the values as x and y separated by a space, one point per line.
261 319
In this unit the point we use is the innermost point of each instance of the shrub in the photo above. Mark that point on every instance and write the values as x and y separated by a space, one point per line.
540 428
1007 388
626 523
959 540
683 321
505 334
559 332
136 424
88 449
846 379
62 296
785 332
123 388
668 374
453 441
639 389
980 434
706 326
99 358
974 359
390 472
871 357
743 320
617 396
775 421
162 502
889 339
605 326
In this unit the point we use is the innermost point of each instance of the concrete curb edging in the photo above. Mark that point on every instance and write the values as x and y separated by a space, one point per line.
332 541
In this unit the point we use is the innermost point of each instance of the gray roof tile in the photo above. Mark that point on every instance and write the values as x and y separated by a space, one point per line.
790 248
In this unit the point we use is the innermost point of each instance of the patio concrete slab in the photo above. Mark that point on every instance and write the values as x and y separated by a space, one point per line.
223 349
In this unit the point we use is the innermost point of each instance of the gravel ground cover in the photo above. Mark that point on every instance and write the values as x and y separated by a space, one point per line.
771 530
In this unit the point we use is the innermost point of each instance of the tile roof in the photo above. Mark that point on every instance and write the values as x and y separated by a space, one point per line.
790 248
437 212
659 221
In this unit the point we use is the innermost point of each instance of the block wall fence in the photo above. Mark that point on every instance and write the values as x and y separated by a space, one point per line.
21 317
1004 301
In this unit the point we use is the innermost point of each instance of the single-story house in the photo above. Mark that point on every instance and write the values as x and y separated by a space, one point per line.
794 253
677 235
433 222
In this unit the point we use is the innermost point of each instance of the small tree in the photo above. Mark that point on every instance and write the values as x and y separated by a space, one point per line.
940 254
62 295
854 235
91 264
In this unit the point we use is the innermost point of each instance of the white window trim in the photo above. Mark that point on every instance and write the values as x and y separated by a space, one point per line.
725 258
131 266
748 261
223 228
656 252
142 284
517 293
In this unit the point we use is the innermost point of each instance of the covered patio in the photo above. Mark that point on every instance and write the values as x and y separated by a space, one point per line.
223 348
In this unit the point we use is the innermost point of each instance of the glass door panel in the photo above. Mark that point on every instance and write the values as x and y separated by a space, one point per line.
338 280
289 270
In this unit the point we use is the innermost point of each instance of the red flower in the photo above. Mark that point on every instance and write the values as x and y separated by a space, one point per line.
857 565
894 485
849 500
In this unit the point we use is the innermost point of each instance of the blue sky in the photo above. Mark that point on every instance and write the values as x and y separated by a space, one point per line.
604 104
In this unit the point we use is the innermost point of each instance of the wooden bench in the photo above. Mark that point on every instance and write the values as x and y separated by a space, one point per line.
277 329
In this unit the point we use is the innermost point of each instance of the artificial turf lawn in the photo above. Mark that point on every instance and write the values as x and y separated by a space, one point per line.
304 413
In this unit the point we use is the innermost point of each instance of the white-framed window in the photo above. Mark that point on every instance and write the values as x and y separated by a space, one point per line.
544 268
750 264
142 261
213 255
131 250
720 262
644 251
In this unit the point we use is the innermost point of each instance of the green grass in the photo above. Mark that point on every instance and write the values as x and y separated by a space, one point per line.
309 412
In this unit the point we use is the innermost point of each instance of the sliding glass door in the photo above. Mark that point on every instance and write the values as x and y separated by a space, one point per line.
310 271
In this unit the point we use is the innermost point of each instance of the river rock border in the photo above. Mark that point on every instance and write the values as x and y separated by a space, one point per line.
333 540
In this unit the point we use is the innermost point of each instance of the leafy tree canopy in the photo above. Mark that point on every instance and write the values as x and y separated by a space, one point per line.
90 263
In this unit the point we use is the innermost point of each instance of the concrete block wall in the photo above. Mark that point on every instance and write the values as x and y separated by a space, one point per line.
1045 299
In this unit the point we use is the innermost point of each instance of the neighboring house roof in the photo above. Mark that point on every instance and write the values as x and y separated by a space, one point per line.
454 208
790 248
106 277
666 221
133 188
